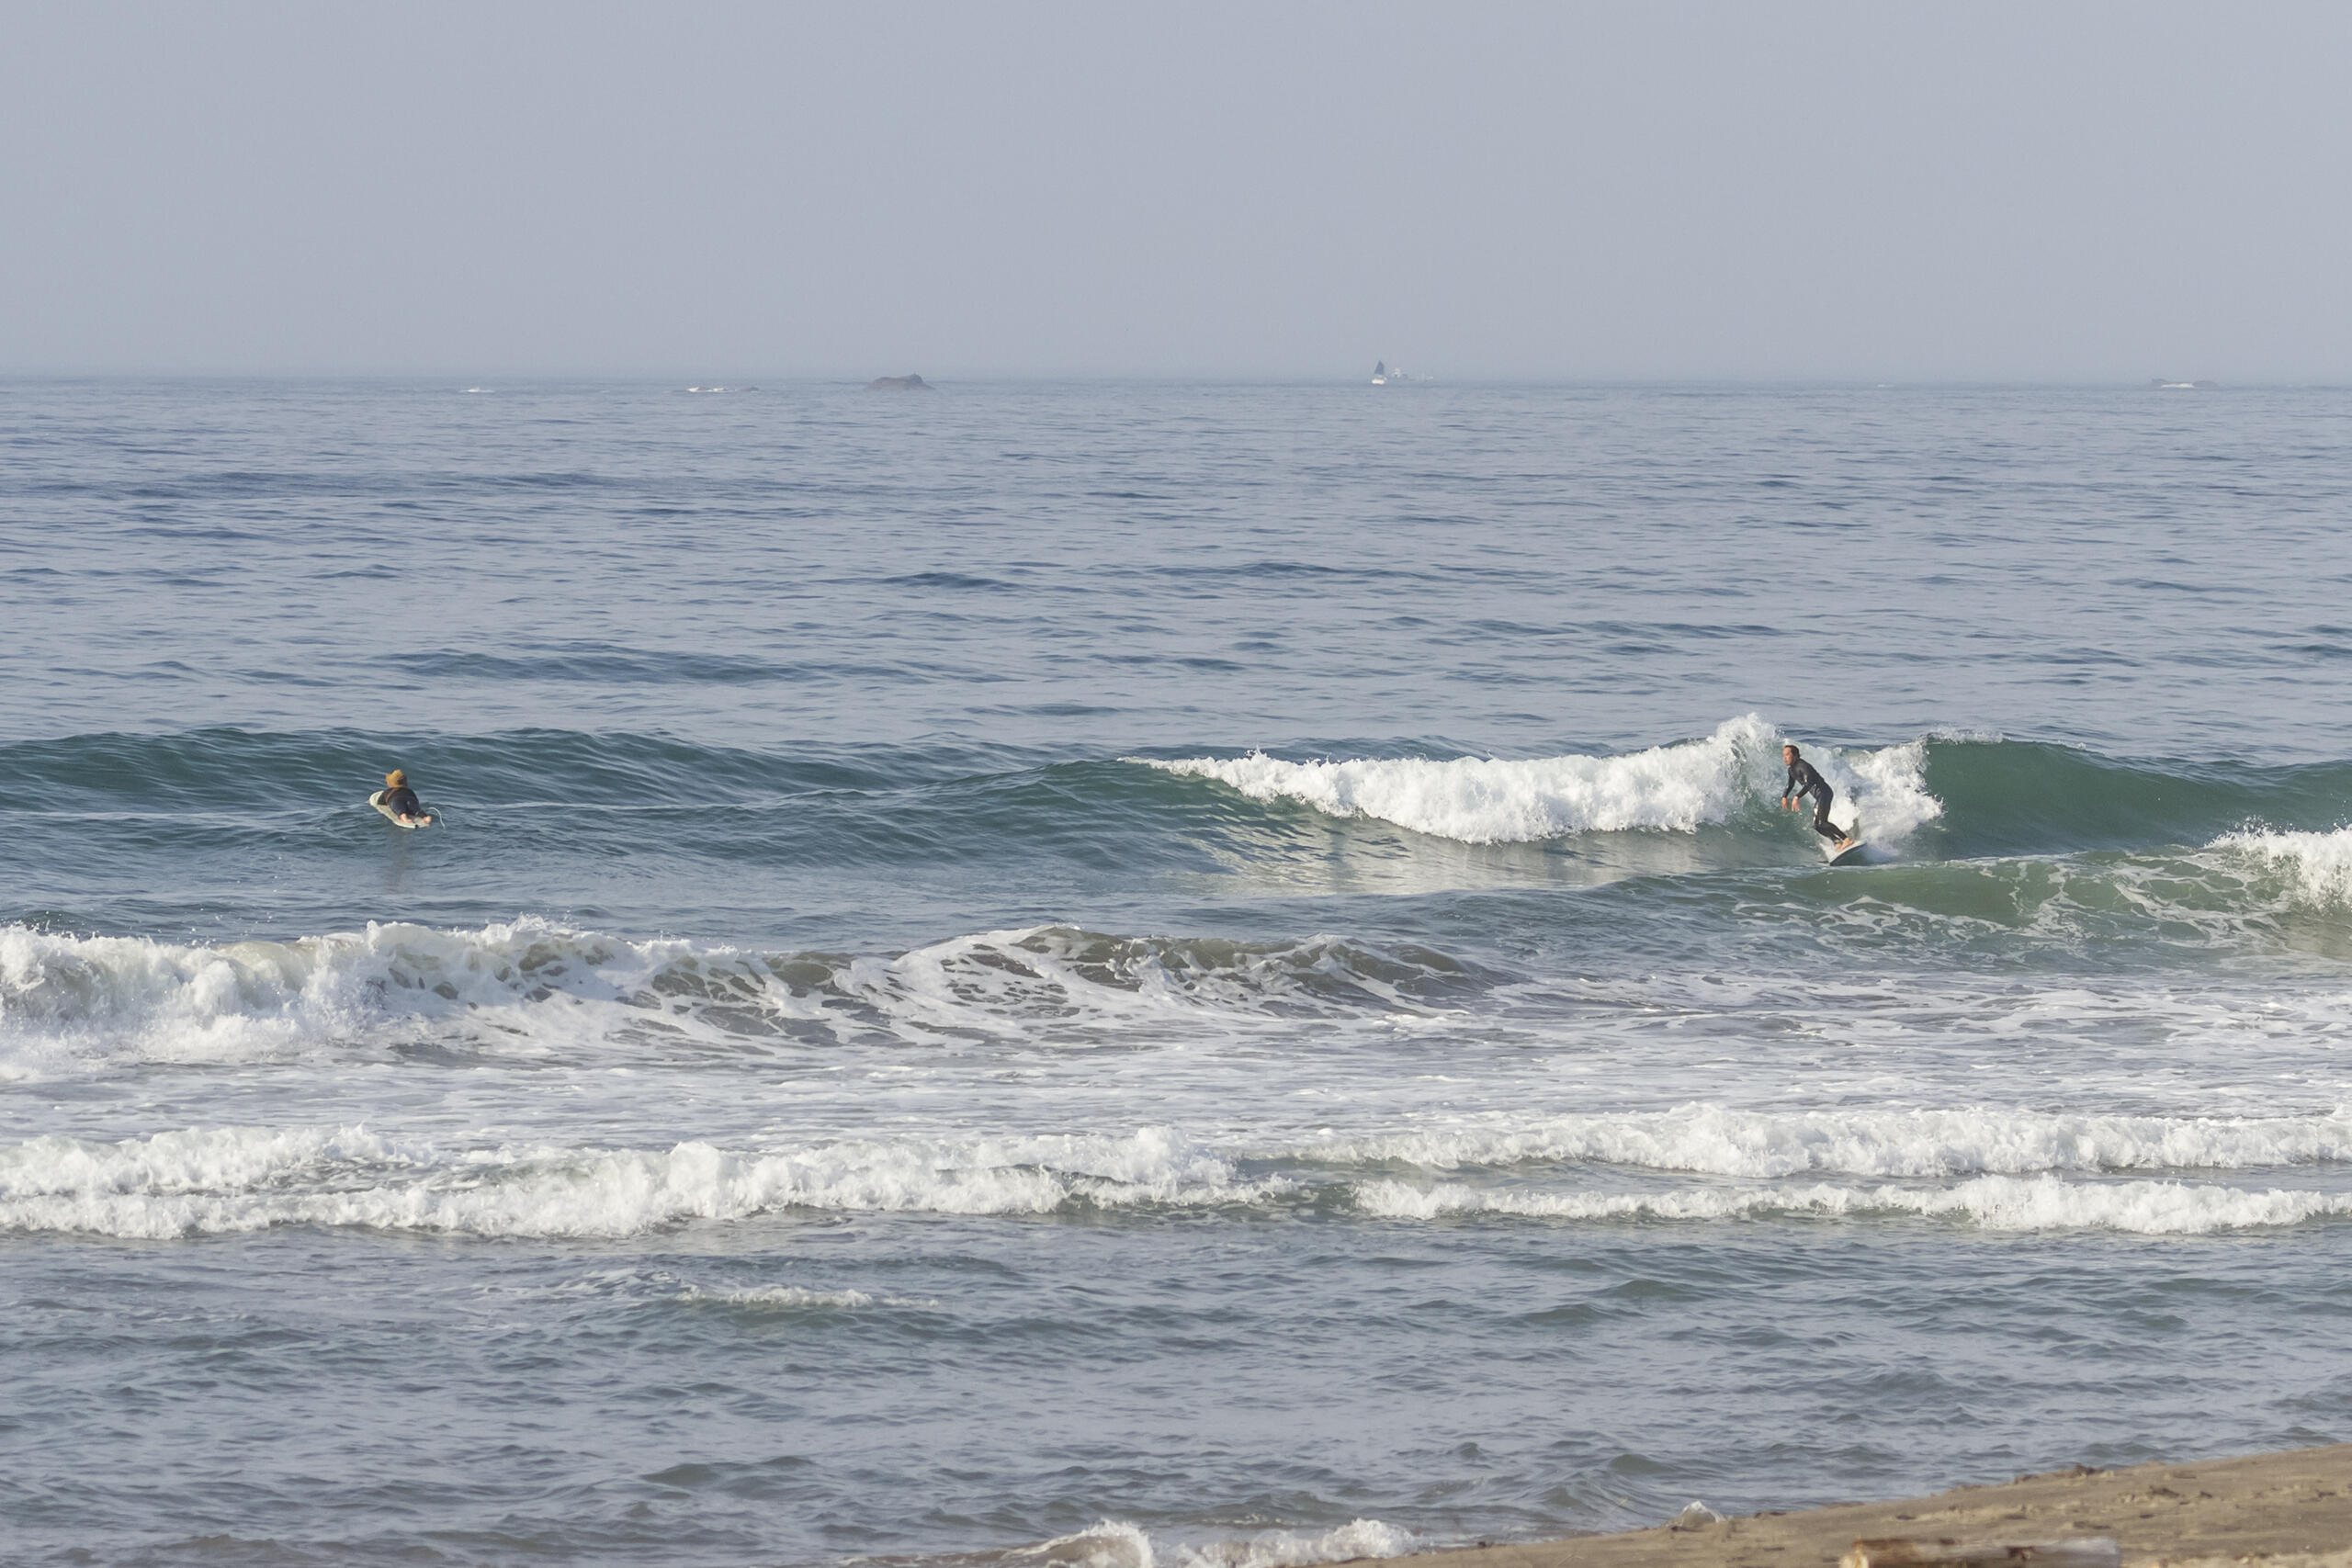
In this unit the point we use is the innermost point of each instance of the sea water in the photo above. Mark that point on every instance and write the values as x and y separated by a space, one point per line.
1153 974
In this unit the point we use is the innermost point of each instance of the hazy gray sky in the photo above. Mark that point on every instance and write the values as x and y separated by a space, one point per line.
1564 191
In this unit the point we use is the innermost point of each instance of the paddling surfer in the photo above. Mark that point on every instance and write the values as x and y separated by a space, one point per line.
400 800
1804 780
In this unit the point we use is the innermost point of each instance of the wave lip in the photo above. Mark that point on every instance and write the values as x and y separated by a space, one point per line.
2316 867
1678 788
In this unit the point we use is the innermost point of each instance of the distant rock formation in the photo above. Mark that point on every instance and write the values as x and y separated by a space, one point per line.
899 384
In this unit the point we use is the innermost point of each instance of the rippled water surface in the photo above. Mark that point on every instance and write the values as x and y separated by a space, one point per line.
1214 970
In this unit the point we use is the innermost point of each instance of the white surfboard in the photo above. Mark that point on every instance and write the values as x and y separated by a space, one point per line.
1848 855
377 800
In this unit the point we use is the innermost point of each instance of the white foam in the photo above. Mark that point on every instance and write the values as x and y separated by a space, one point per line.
799 1298
530 987
1298 1549
1995 1202
132 998
2317 867
1675 788
1886 788
194 1160
1112 1543
226 1180
1117 1544
207 1181
1718 1141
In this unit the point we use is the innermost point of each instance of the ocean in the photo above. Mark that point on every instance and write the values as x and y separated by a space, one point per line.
1153 976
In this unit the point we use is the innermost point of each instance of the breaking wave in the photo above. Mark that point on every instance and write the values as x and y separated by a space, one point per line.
2315 867
1675 788
1995 1202
1114 1543
2006 1170
532 985
1935 796
1714 1139
217 1180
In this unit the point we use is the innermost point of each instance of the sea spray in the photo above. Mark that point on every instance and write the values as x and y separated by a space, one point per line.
2315 867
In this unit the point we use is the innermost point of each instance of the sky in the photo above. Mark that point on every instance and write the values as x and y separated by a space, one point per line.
1982 191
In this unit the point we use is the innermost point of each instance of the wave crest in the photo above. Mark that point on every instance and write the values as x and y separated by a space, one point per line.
2316 867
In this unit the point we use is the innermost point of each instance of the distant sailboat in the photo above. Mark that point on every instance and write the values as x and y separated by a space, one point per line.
1383 376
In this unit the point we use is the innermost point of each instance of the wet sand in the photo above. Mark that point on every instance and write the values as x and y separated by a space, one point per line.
2291 1508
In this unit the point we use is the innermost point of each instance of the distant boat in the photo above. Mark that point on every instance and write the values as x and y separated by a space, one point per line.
1383 376
2160 384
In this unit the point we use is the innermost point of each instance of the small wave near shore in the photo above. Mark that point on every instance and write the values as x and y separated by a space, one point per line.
1998 1170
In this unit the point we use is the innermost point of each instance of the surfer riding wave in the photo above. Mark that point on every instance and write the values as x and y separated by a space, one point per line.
1804 780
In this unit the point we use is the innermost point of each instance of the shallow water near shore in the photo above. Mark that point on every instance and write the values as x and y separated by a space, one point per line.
1209 969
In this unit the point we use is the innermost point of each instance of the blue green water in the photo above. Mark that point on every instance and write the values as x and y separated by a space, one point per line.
1213 970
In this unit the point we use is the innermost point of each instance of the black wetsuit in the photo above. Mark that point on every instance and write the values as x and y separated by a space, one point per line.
1804 781
402 802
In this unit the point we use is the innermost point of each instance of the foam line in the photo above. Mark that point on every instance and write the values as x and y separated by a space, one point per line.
1718 1141
209 1182
226 1180
1993 1202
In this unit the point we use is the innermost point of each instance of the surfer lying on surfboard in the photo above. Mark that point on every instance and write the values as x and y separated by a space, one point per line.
1804 781
399 802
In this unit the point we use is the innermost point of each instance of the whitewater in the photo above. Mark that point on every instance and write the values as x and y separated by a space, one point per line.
1488 800
1153 976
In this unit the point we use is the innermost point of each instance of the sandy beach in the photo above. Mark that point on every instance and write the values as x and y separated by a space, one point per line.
2291 1508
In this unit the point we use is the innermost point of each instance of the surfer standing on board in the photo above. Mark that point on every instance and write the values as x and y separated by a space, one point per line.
400 800
1804 781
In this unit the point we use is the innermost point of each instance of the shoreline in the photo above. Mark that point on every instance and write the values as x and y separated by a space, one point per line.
2292 1507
